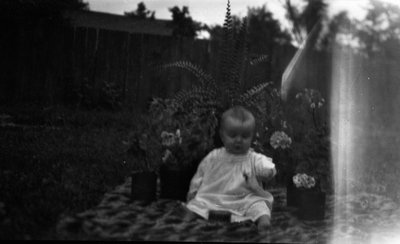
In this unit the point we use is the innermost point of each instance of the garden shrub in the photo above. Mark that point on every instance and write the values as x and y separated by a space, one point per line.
109 96
195 131
307 114
193 114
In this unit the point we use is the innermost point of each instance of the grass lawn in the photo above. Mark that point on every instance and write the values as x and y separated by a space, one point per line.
60 162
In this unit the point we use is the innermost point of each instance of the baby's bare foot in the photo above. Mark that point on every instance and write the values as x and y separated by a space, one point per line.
189 216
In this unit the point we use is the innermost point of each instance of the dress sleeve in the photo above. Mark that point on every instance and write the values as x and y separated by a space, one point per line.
264 167
197 179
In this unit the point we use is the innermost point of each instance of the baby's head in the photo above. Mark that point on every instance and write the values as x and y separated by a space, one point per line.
237 129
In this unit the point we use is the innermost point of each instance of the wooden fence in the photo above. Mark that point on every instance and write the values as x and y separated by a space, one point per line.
53 66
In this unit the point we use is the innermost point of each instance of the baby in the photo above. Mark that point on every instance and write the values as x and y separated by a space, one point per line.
229 178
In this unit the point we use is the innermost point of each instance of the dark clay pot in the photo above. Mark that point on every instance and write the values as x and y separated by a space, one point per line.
144 186
175 182
282 161
311 205
292 193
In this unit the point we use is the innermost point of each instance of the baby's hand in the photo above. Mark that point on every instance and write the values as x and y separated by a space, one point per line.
268 175
253 185
190 196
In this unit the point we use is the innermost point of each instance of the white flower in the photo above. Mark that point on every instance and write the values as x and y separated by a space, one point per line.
284 125
167 154
178 136
310 182
296 180
303 180
312 105
364 204
280 139
320 104
167 139
164 134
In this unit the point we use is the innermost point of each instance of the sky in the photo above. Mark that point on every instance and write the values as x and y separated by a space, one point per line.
212 12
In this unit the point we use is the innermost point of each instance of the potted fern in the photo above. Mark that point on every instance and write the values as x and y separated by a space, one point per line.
207 99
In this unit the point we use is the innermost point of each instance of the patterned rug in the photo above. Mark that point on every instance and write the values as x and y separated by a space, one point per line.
364 217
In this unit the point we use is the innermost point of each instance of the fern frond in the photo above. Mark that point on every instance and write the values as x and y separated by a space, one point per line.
204 78
228 17
236 74
189 94
196 96
244 49
207 105
247 96
260 59
227 44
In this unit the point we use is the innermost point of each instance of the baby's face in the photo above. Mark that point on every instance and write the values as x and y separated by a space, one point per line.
237 135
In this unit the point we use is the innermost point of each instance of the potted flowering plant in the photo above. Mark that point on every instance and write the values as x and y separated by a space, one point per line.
143 161
307 113
309 197
175 171
185 138
281 145
309 108
282 157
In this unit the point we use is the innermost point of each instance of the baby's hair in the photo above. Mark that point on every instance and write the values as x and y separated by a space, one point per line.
237 112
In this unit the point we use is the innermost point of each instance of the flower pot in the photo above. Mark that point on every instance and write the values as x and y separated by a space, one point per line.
292 193
144 186
283 165
311 205
175 182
